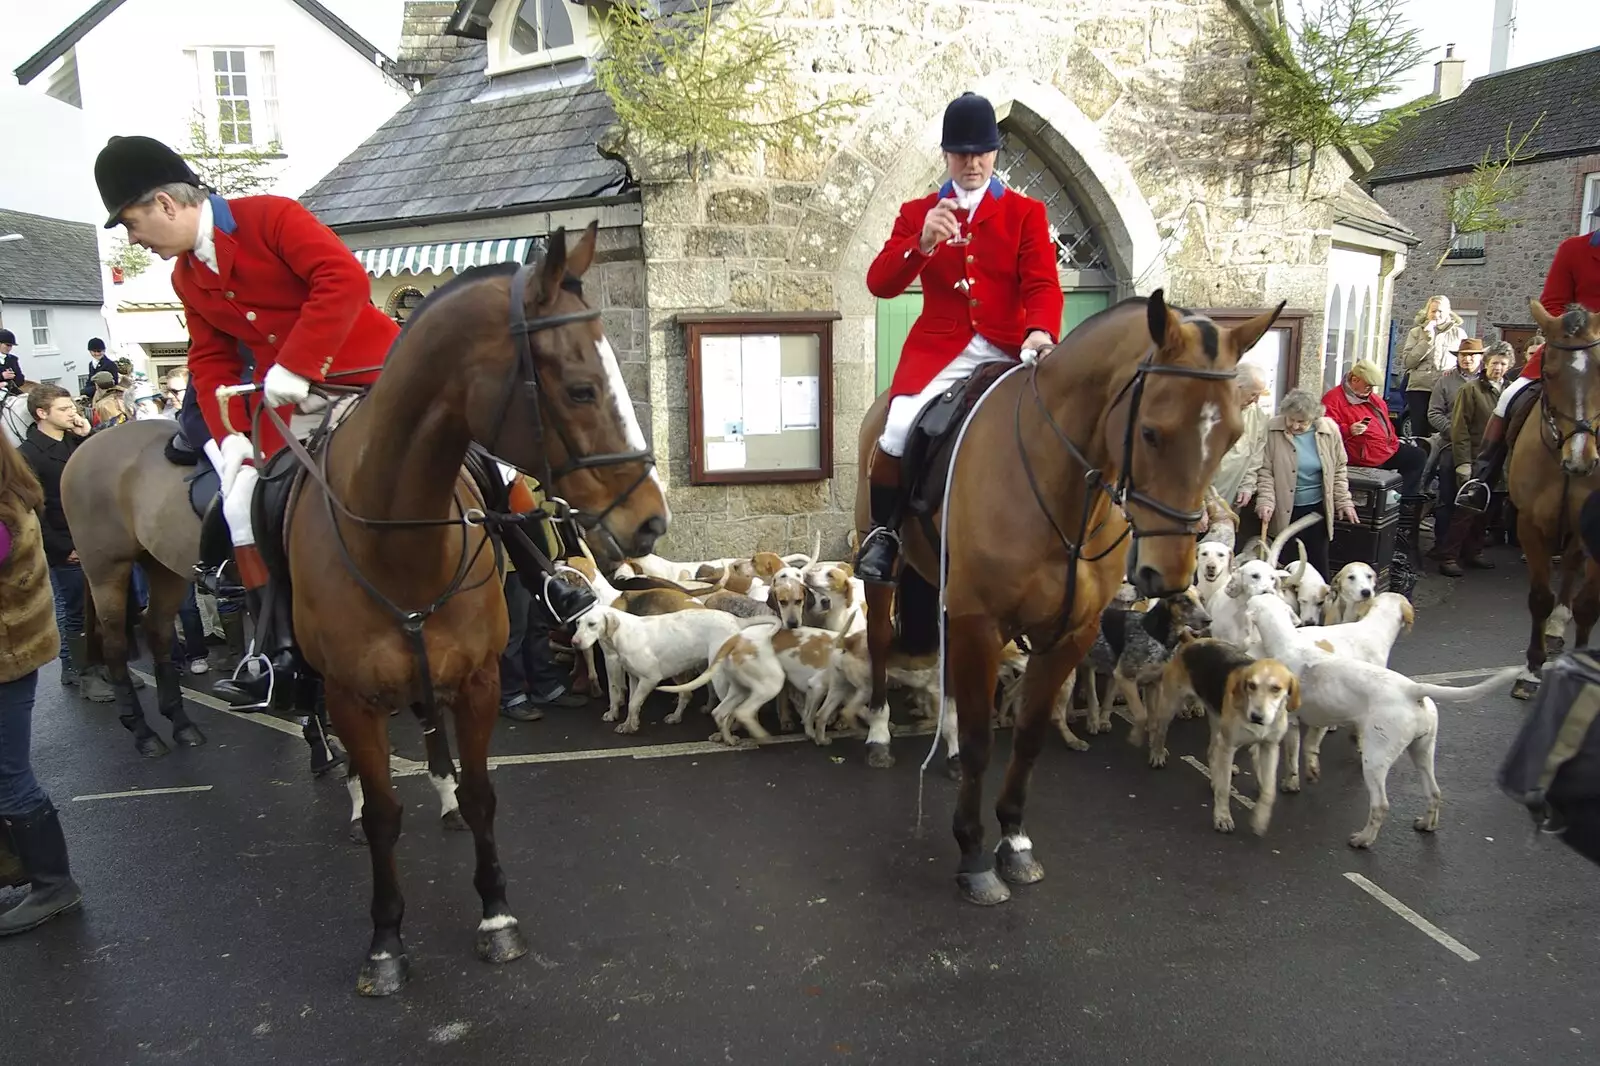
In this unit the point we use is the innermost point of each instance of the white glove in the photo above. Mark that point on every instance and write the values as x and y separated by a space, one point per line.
283 386
1464 470
234 451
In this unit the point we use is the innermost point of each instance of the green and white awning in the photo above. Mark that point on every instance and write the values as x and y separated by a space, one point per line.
437 258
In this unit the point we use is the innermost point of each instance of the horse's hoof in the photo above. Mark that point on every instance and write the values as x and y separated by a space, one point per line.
452 820
188 736
983 888
952 768
358 833
96 689
1017 867
1524 689
879 757
502 944
383 976
150 746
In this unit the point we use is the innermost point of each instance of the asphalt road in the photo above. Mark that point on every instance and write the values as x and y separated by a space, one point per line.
780 906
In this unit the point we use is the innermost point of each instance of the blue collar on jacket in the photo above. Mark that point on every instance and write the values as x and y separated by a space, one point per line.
997 188
222 215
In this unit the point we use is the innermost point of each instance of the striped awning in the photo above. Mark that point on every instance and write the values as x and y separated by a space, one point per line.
437 258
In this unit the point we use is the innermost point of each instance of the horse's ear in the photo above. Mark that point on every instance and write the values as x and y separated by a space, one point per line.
554 267
582 255
1549 325
1246 334
1158 317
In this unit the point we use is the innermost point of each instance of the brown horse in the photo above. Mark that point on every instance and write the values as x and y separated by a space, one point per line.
1117 429
397 601
1553 470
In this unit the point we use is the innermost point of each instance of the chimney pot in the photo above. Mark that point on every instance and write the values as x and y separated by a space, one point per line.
1449 51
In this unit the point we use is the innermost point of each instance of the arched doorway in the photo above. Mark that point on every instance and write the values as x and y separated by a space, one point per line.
1087 272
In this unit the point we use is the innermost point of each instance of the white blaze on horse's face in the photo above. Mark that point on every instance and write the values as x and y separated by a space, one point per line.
624 406
1575 456
1210 415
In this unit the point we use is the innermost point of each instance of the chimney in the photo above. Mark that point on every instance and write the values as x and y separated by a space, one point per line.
1447 75
1505 24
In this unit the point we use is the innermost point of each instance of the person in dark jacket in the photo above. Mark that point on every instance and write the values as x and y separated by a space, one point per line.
10 368
101 363
58 428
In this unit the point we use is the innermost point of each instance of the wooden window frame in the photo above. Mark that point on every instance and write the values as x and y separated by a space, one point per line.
817 324
1291 321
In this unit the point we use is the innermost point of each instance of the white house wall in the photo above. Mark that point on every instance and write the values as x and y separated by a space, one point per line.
67 356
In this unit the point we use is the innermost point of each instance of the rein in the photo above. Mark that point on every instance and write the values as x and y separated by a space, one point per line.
1548 413
1119 492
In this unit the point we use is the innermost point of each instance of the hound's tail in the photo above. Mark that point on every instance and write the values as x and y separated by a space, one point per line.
1283 538
1471 692
716 660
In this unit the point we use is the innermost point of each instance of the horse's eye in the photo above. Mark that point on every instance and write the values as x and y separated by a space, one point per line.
1151 437
582 394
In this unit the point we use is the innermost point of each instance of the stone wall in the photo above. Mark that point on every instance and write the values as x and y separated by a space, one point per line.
1139 104
1514 262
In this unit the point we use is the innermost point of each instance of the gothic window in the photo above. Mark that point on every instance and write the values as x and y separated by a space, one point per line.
1079 243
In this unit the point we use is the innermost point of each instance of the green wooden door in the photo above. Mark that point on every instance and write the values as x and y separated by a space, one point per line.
895 316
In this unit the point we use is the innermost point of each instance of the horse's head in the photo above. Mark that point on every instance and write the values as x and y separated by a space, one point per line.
1571 376
551 400
1179 415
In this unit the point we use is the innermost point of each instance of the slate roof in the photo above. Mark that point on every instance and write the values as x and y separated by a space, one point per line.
80 27
1353 207
57 262
444 153
425 46
1452 136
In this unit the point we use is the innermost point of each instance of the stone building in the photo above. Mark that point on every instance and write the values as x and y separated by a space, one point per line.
1129 119
1489 276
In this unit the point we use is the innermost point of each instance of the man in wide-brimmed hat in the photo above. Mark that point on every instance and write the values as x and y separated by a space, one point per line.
270 295
990 291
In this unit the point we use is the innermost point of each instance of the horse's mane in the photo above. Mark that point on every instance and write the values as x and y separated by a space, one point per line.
469 278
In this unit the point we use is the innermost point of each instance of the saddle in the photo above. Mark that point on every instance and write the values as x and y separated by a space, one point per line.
932 440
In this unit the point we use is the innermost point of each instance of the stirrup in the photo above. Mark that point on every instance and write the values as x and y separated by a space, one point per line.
217 583
879 540
1474 495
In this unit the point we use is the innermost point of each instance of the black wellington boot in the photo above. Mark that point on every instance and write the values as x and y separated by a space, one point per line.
880 549
43 851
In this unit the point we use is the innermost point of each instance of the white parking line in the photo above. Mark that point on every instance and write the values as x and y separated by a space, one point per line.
1450 943
131 793
1244 801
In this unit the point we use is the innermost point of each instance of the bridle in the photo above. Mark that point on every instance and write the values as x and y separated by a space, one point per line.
1547 410
1120 492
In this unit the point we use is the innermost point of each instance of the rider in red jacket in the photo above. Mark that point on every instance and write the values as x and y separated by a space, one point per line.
990 291
1573 280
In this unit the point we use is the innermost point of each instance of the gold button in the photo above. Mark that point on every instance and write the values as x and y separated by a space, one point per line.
974 303
272 338
970 259
229 294
249 316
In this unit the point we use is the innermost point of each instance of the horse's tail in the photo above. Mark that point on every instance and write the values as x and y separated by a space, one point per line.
917 604
1283 538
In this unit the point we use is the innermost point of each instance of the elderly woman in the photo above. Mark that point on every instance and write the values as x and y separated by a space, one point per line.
1429 354
1302 471
1240 462
1475 405
32 849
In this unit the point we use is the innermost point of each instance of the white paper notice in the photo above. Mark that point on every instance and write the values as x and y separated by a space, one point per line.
721 387
800 403
724 455
763 412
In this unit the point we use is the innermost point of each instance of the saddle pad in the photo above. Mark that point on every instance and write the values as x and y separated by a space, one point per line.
1522 405
933 436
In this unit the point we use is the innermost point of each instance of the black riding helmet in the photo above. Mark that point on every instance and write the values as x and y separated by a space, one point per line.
127 168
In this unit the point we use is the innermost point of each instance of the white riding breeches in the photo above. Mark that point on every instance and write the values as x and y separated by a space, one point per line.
1508 392
903 410
236 502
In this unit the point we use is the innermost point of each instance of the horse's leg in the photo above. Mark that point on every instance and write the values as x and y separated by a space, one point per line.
950 728
442 774
1555 627
167 593
499 939
310 697
352 784
1046 673
1540 601
366 738
880 635
110 595
973 648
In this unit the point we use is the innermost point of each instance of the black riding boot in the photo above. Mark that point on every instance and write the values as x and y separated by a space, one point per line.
212 572
43 851
880 549
252 688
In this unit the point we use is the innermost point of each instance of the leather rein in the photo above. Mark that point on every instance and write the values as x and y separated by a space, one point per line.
1119 492
1547 414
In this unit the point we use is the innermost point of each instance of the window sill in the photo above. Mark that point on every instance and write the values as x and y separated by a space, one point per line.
514 62
41 350
1477 260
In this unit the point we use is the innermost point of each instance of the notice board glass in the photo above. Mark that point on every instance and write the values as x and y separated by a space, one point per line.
760 397
1276 354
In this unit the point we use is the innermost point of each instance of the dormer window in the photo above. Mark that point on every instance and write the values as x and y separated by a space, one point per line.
537 33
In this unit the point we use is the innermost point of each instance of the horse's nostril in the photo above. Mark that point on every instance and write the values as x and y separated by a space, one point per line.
649 531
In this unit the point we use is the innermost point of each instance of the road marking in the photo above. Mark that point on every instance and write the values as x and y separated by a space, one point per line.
1449 942
131 793
1244 801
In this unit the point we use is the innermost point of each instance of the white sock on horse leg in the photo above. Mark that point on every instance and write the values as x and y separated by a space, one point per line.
446 788
353 785
878 725
1556 624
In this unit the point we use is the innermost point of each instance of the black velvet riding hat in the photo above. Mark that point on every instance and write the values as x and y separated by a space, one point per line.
129 167
970 126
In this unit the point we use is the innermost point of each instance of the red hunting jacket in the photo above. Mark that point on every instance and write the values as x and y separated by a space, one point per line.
1574 278
1009 267
286 291
1378 443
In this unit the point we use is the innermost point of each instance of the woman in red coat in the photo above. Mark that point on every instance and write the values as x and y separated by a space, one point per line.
270 295
990 291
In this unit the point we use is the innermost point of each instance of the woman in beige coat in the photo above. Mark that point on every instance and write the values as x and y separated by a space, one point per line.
1427 355
1302 471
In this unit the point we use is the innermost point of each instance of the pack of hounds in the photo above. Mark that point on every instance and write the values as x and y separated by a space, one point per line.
1264 652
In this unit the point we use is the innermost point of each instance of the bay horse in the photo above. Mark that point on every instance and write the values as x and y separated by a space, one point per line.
397 601
1116 430
1553 469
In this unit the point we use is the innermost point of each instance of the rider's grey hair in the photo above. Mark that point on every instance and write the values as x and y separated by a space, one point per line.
1250 379
181 193
1301 404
